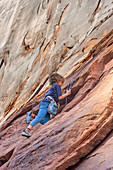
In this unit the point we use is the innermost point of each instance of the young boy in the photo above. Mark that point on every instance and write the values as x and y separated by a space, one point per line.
54 92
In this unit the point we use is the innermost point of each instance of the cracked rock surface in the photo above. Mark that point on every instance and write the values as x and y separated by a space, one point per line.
75 39
103 156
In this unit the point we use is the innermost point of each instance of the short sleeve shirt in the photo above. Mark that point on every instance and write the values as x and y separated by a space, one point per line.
54 91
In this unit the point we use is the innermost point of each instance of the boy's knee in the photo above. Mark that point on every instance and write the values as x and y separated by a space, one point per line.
38 119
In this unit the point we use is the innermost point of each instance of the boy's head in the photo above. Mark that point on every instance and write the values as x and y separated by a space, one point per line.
55 78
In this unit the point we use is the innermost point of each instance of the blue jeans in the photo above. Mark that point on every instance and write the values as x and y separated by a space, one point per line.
43 116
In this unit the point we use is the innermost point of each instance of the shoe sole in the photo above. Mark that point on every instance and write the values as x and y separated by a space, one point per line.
26 136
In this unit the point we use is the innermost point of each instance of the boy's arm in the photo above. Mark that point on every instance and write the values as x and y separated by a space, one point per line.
65 95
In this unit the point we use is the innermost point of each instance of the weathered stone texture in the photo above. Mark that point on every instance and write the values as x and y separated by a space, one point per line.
101 158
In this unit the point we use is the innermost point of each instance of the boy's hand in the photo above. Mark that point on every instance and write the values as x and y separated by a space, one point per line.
68 92
65 95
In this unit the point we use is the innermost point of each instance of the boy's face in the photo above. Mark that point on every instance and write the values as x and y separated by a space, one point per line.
60 83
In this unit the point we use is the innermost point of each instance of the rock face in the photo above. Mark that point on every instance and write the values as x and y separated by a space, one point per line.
103 156
74 38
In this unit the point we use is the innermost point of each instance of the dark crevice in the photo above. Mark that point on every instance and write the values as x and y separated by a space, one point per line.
5 158
38 9
97 7
63 14
2 62
101 77
110 44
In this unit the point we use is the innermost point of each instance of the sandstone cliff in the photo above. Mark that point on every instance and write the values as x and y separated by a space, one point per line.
74 38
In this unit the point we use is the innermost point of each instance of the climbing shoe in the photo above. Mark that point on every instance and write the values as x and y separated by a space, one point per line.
27 134
28 118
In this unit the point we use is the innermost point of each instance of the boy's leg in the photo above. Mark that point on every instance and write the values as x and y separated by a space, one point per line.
41 114
45 119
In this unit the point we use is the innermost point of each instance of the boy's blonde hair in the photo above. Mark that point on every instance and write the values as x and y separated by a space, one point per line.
55 78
